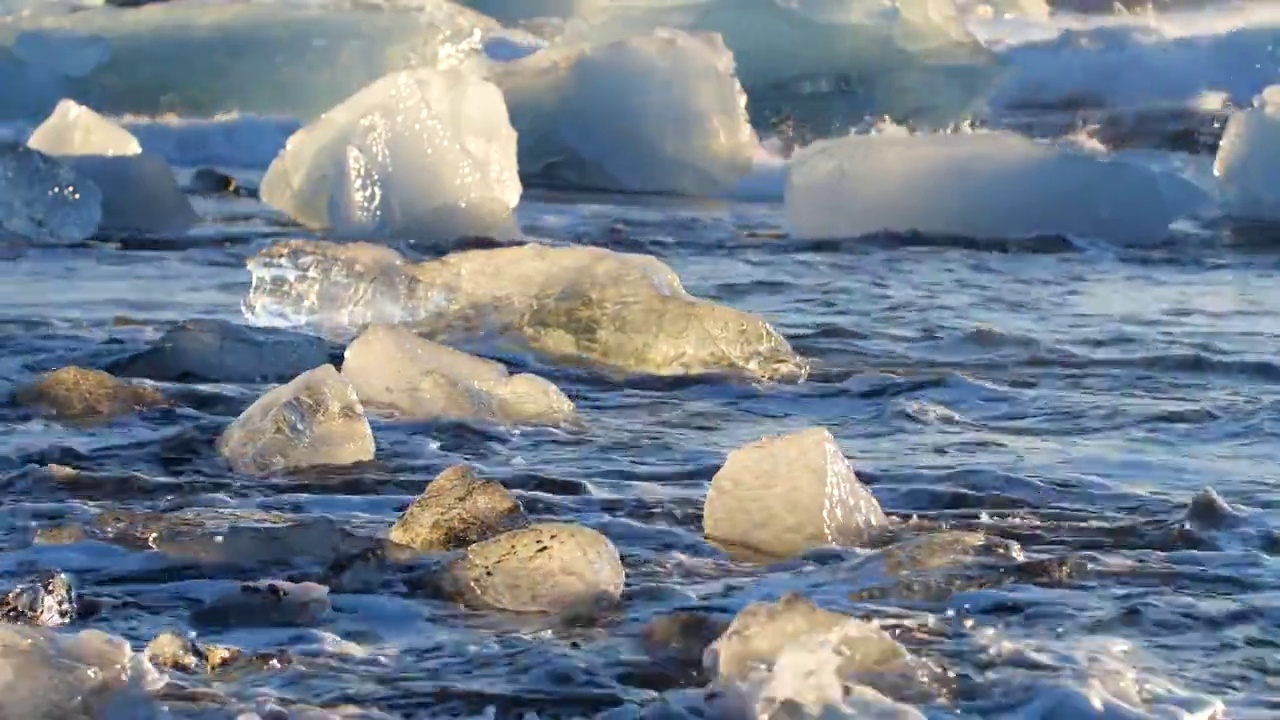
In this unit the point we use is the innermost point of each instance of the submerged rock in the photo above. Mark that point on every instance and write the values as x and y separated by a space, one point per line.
219 351
139 190
43 200
785 494
316 419
458 509
76 393
590 306
548 567
49 601
392 367
933 567
266 604
680 639
421 154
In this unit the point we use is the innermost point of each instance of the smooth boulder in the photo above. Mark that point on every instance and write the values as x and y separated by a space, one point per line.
316 419
785 494
206 350
457 510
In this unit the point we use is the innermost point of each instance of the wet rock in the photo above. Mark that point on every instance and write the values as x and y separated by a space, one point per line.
785 494
49 601
266 604
933 567
220 351
458 509
679 640
172 651
549 567
393 367
314 420
75 393
208 181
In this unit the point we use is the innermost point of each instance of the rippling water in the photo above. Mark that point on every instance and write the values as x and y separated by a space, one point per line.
1072 399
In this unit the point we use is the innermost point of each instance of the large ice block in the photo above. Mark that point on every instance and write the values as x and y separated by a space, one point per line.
43 200
659 112
420 154
981 184
1246 166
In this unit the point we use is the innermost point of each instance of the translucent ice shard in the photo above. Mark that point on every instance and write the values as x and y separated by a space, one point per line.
392 367
43 200
1246 164
421 154
139 191
982 184
314 420
590 306
659 112
786 494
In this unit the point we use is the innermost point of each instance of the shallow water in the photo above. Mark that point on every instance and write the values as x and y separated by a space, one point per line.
1073 400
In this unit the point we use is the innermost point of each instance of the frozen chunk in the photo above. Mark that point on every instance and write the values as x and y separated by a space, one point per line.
458 509
422 154
617 311
1246 167
761 630
316 419
75 393
392 367
200 59
785 494
266 604
549 567
660 112
219 351
513 11
43 200
83 676
982 184
139 191
49 600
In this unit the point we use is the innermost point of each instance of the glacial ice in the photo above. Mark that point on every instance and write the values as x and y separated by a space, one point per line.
83 676
785 494
980 184
423 154
316 419
1246 167
660 112
199 58
268 603
579 305
43 200
393 367
207 350
139 191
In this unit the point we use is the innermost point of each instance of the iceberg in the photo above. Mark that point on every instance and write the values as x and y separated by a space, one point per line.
139 191
584 306
199 58
1246 168
316 419
979 184
423 154
392 367
43 200
661 112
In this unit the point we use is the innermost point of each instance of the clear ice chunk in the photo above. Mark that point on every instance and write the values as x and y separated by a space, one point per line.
580 305
1246 167
785 494
421 154
392 367
660 112
43 200
316 419
139 190
981 185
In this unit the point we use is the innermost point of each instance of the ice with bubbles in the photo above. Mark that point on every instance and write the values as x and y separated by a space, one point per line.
980 184
43 200
658 112
422 154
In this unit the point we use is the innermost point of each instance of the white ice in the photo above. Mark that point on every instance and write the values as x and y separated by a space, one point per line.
981 184
658 112
43 200
139 191
422 154
202 57
1247 165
